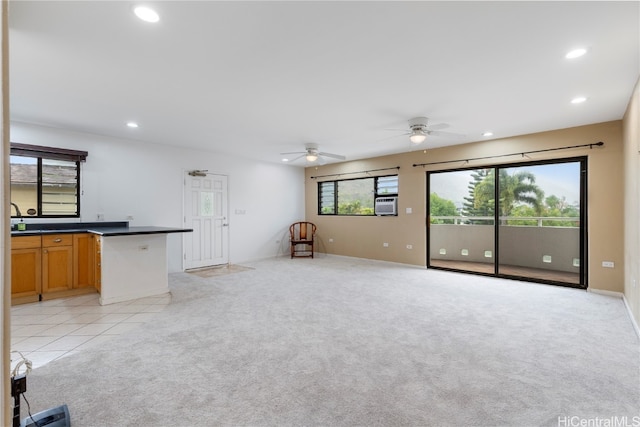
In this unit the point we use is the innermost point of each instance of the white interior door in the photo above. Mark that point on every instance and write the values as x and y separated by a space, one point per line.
206 213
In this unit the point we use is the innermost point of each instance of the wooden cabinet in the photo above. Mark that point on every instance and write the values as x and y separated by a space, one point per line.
84 259
26 268
53 266
57 262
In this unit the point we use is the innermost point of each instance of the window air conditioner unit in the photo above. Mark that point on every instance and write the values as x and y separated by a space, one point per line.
386 206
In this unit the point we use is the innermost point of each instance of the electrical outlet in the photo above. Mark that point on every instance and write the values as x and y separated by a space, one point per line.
100 217
608 264
385 244
409 246
330 240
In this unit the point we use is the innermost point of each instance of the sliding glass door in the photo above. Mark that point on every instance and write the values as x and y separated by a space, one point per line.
461 229
522 221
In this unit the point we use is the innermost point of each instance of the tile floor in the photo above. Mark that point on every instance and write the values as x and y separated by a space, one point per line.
48 330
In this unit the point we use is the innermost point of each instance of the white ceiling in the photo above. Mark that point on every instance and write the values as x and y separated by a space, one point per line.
260 78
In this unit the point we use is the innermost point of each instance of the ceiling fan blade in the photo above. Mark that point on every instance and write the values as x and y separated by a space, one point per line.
293 152
333 156
438 126
296 158
445 134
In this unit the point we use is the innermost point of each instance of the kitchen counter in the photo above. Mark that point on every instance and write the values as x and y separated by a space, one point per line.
130 231
132 260
118 228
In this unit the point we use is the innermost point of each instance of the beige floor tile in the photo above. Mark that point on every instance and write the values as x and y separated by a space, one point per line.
77 309
29 330
93 329
153 308
114 318
121 328
131 308
141 317
37 309
47 330
59 330
33 343
85 318
57 319
66 343
16 340
28 319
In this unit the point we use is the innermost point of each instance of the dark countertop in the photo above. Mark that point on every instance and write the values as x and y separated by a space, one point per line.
128 231
120 228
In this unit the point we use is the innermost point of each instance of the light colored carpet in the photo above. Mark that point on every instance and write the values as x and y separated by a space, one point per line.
336 341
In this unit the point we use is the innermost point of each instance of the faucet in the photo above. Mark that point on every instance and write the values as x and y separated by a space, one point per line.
17 209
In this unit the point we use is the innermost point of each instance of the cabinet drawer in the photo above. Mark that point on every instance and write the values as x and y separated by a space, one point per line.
57 240
25 242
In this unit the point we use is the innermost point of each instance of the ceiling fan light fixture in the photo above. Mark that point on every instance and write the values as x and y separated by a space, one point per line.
418 136
311 157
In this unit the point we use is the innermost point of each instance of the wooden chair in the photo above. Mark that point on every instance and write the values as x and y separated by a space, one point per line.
301 238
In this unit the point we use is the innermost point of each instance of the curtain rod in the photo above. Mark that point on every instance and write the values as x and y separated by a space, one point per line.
597 144
353 173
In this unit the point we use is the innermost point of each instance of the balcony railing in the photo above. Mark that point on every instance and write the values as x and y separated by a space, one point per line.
533 242
536 221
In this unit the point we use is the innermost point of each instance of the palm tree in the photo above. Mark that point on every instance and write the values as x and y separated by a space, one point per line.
519 188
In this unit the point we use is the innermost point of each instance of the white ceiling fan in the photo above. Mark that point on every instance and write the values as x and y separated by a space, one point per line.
419 129
311 154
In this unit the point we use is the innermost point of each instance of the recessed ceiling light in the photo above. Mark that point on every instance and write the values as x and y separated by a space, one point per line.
146 14
488 133
132 124
576 53
285 160
578 100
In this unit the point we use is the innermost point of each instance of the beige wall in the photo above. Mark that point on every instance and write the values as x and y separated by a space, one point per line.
631 133
363 237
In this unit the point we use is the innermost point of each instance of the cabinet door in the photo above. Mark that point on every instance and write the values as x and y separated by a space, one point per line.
26 277
84 260
57 268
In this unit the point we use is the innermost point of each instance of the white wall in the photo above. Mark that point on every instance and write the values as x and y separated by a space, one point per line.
124 178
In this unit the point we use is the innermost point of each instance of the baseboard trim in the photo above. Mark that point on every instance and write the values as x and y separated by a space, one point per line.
608 293
633 319
626 304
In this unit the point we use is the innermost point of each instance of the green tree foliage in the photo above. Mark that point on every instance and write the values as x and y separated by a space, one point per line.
516 189
354 208
471 207
441 207
558 207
